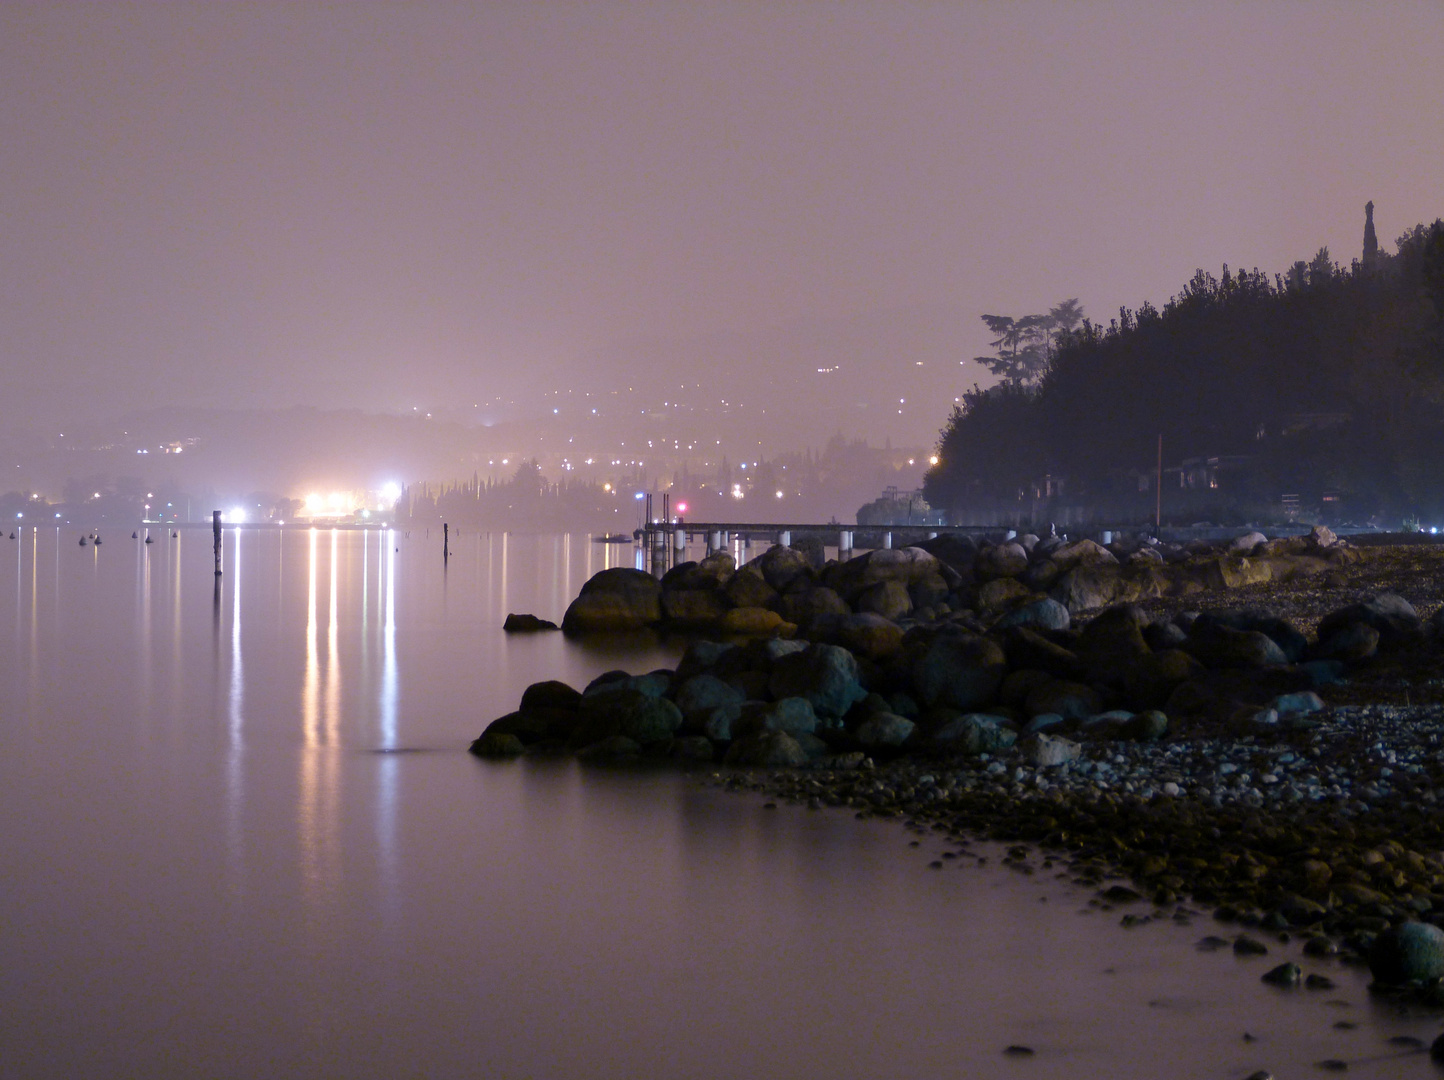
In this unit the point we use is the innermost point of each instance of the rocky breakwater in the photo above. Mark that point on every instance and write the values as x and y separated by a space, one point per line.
866 603
1205 754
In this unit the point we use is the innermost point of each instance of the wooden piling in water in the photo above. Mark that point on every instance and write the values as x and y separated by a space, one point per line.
216 532
445 542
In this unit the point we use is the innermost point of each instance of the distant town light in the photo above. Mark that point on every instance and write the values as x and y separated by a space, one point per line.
236 515
779 494
933 460
391 491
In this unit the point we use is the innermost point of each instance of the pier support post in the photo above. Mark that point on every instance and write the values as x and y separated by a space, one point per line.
784 538
887 541
844 542
216 532
679 540
932 534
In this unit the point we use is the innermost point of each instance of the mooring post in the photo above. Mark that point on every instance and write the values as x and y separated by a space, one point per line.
844 542
679 539
445 542
216 531
887 541
784 538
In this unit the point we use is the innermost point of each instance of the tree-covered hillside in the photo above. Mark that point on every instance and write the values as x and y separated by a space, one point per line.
1324 384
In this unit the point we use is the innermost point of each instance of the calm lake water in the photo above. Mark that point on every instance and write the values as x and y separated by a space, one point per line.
240 836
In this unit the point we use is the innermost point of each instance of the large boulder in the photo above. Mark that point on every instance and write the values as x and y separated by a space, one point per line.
1218 646
1044 614
902 565
754 622
867 635
1387 612
1000 594
958 553
706 692
619 598
1349 643
1082 553
768 750
1070 700
930 590
1246 543
884 729
780 566
497 744
1112 642
1152 679
1412 952
748 588
1004 560
694 607
716 569
552 694
961 671
626 712
702 656
826 675
794 715
890 599
1088 585
1029 650
1237 571
803 606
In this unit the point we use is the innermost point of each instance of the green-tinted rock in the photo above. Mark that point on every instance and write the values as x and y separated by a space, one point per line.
496 744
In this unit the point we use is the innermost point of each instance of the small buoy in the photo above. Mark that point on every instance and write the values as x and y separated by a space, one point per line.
82 541
149 540
97 541
135 536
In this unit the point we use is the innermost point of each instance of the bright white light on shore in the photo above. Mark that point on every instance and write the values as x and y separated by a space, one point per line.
933 460
606 487
779 494
235 515
391 492
335 500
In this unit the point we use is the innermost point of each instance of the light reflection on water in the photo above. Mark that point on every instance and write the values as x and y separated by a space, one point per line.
236 844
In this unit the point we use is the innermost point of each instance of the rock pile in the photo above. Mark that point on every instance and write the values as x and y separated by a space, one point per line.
864 685
1023 581
1196 752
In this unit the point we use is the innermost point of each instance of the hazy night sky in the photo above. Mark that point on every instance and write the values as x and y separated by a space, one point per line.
383 206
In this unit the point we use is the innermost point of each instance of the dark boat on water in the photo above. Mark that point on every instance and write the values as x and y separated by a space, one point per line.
613 538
